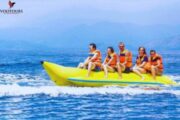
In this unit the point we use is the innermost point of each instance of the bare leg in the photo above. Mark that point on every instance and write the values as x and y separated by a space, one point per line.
137 71
110 69
81 65
90 67
105 71
119 69
158 72
85 64
153 72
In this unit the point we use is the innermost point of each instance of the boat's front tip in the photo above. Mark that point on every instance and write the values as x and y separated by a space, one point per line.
56 72
46 65
42 62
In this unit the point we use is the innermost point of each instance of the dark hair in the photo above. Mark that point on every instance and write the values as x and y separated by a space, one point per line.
112 49
144 49
93 45
121 43
152 51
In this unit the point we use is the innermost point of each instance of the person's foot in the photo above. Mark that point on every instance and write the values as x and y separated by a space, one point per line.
105 76
154 78
120 77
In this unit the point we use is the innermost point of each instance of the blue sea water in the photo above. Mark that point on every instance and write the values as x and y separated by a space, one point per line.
26 92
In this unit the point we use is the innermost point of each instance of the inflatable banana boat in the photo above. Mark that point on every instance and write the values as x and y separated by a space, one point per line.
70 76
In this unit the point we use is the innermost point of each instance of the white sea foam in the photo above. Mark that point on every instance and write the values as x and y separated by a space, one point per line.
16 90
23 78
175 77
39 85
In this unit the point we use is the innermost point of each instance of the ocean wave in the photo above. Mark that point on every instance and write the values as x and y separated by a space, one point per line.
24 79
19 63
16 90
25 84
175 77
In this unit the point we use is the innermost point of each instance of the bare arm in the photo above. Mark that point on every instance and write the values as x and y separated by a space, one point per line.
86 61
110 60
142 65
159 63
95 55
105 60
126 58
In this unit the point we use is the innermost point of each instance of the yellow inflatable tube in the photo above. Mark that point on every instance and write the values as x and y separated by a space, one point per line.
70 76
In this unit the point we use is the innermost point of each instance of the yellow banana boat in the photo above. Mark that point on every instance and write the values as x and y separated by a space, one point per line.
70 76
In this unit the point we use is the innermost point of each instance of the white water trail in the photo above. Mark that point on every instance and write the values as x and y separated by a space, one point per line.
175 77
24 78
10 86
16 90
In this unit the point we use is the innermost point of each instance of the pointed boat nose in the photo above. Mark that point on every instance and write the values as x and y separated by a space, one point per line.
42 62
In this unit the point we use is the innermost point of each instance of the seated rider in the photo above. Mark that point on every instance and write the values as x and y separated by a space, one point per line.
110 61
93 61
125 60
141 62
156 64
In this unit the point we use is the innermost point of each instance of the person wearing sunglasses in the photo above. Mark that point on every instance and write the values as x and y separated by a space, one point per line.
141 62
156 64
125 60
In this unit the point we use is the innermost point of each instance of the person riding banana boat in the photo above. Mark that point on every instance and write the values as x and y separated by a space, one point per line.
93 61
141 63
109 64
125 60
156 63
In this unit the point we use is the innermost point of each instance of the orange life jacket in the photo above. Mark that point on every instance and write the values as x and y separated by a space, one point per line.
122 58
97 59
114 59
154 61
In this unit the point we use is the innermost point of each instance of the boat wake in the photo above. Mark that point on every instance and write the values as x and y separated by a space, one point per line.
24 80
17 90
23 85
175 78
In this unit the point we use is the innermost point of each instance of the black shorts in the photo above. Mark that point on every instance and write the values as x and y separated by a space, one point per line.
127 70
97 69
